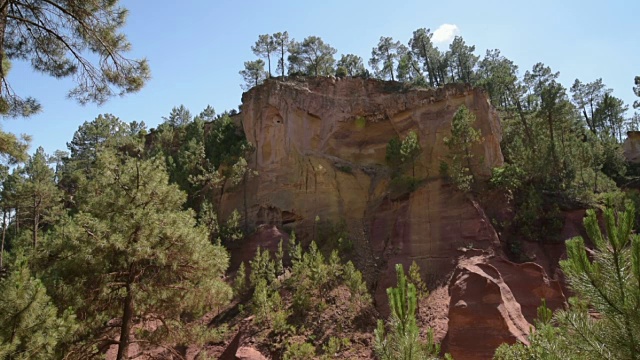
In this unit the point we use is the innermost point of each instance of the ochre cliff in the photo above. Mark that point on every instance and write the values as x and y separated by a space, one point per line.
320 148
631 147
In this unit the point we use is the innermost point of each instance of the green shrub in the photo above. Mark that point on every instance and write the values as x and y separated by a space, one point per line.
537 218
508 177
299 351
463 138
262 268
240 282
402 341
416 280
267 306
358 288
335 346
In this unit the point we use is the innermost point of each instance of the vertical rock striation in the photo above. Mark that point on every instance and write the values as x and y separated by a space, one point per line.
320 146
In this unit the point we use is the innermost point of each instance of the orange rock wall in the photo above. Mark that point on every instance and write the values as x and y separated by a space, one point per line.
320 148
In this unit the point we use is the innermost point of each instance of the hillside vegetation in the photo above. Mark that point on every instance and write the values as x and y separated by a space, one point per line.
119 247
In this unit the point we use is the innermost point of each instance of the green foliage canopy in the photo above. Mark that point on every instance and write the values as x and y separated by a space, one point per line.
55 37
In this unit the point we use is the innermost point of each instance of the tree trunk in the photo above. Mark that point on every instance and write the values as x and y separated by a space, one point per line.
595 181
523 119
432 81
282 60
427 64
269 62
4 232
590 123
4 10
554 156
125 327
36 220
245 178
390 61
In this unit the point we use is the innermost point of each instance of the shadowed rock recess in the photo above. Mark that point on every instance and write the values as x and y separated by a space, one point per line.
320 146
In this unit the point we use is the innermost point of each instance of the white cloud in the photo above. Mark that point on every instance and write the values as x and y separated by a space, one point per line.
445 33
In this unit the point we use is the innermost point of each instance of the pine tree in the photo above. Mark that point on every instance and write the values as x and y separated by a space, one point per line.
281 41
133 254
384 58
636 90
80 40
463 138
410 150
253 74
106 130
463 61
30 325
264 47
352 64
240 281
402 153
403 338
38 198
416 279
317 56
423 49
610 284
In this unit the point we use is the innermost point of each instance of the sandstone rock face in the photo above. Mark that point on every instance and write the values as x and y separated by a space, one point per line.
631 147
493 301
320 149
248 353
320 158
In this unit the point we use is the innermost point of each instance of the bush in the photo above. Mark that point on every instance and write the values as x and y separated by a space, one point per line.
537 218
508 177
358 288
267 306
299 351
262 268
240 282
335 346
416 280
403 339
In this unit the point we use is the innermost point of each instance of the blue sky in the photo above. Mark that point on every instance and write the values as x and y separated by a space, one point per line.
196 48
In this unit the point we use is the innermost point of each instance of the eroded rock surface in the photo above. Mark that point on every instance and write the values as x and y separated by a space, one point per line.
493 301
320 158
631 147
320 148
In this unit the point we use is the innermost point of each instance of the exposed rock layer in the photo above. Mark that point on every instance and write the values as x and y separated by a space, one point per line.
320 148
631 147
493 301
320 155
